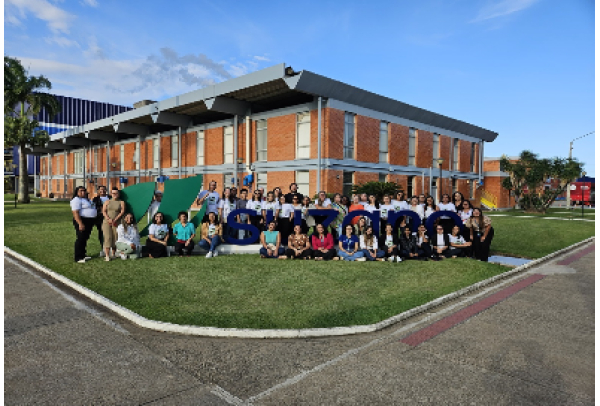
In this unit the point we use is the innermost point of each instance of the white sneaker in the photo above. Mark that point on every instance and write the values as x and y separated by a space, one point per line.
107 259
398 259
123 256
215 253
361 259
81 261
209 255
391 259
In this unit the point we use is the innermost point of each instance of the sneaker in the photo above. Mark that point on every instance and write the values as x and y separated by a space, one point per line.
81 261
362 259
391 259
215 253
123 256
209 255
398 259
107 259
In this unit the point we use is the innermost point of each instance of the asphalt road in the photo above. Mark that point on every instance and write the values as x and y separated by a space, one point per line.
532 346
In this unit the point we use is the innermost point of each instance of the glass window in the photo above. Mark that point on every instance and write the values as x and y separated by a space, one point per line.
261 140
382 177
200 148
348 183
261 181
455 155
303 135
302 179
78 158
228 179
411 146
472 189
383 142
122 157
136 155
95 159
156 152
349 129
174 150
436 148
472 157
410 187
228 144
454 185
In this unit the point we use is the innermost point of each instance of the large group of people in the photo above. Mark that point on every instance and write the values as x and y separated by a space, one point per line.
273 215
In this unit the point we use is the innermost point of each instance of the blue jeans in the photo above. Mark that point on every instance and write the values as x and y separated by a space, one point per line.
353 257
378 253
280 251
214 243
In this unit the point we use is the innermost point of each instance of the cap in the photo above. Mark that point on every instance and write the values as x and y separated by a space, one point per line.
158 192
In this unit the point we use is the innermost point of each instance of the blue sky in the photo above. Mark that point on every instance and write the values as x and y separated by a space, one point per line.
522 68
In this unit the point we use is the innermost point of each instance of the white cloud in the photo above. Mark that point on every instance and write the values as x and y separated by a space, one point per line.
261 58
91 3
501 9
58 20
63 42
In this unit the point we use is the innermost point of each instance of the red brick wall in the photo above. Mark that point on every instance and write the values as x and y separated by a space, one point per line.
281 136
213 139
476 158
70 162
367 139
423 149
333 134
332 181
464 156
188 149
491 166
314 134
165 152
398 144
401 180
363 177
281 179
445 151
129 165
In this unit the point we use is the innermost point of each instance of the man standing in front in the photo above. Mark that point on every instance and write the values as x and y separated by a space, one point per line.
211 197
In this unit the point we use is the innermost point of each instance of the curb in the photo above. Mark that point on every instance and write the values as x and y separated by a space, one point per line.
277 333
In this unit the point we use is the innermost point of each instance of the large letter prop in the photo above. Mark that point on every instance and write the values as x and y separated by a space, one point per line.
433 217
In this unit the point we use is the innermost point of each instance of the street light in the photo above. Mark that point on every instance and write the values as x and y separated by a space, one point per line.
440 161
582 191
239 162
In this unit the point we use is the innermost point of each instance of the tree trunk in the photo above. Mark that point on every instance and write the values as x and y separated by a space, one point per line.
23 176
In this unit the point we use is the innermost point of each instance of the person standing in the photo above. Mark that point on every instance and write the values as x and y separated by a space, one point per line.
384 210
355 206
113 210
153 209
84 219
211 196
128 241
446 205
458 199
285 220
256 205
158 237
185 233
99 201
481 233
270 205
226 205
289 197
242 203
308 221
342 211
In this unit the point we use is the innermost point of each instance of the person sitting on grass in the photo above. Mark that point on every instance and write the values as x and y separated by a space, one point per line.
422 239
271 242
322 244
212 235
158 237
408 243
128 238
349 246
388 243
458 246
185 233
439 243
368 244
298 244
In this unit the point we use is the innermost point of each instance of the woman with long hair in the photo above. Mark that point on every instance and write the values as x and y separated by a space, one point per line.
270 241
371 207
211 236
458 246
384 212
440 242
361 226
113 211
422 199
342 211
349 246
417 208
430 206
277 193
457 200
369 246
399 202
408 243
256 205
308 221
355 206
481 234
298 244
446 205
84 218
322 244
465 213
158 237
422 240
286 219
226 205
128 241
270 205
389 244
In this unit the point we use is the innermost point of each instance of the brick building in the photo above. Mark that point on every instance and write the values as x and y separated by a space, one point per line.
282 126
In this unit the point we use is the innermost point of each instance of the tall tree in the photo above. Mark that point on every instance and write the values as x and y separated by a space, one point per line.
528 174
22 101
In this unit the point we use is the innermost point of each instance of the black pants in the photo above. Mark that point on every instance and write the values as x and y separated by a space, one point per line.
452 252
256 222
156 249
387 254
304 227
325 255
82 236
481 250
283 226
447 224
424 251
290 253
181 249
406 254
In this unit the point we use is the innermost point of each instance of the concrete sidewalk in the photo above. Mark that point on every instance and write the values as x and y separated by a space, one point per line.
533 347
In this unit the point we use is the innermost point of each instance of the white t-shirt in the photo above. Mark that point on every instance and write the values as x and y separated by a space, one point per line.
456 240
399 205
256 206
363 203
440 240
385 209
128 235
465 215
389 241
420 240
212 201
418 209
227 207
429 211
159 231
212 228
286 210
84 207
300 207
363 245
273 206
326 202
446 207
103 199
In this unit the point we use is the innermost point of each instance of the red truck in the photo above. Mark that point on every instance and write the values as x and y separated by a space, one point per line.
582 190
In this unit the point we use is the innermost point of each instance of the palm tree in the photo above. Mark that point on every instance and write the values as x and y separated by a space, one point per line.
22 101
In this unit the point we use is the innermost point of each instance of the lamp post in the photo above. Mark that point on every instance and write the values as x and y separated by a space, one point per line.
582 192
239 162
440 161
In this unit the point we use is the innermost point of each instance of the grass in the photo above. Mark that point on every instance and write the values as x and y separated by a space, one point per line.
244 291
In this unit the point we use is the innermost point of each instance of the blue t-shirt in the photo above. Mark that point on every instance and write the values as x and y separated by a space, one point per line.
184 233
349 243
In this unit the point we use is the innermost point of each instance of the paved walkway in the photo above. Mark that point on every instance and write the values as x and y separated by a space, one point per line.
526 342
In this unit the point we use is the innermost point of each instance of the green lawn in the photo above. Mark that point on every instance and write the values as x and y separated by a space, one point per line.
246 292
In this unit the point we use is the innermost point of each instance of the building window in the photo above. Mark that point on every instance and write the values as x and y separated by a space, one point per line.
228 179
200 148
382 177
156 152
261 140
411 146
472 157
454 185
50 166
95 159
228 144
349 128
261 181
436 148
303 135
302 179
174 151
410 186
122 157
472 189
348 183
455 155
383 142
78 158
136 155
